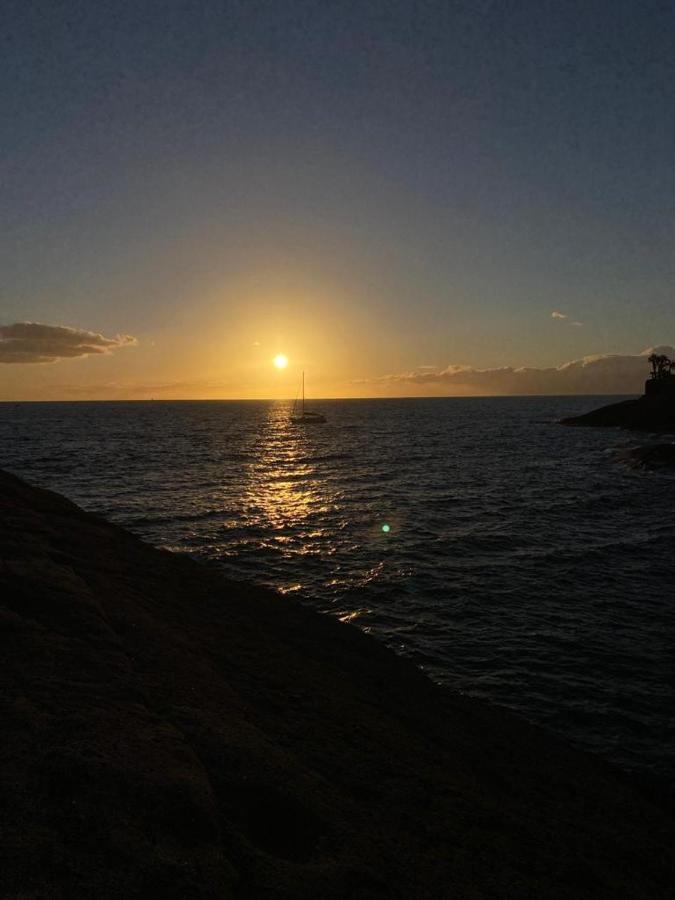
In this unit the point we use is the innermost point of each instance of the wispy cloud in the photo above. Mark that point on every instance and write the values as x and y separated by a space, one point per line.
32 342
601 374
562 317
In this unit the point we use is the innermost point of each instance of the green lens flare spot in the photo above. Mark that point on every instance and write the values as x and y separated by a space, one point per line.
386 528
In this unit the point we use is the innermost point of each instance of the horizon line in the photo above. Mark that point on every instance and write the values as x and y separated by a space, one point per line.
314 399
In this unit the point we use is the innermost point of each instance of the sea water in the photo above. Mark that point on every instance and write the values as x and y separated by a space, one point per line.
512 558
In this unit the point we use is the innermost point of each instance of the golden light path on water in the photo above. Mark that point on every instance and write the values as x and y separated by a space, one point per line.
287 495
284 486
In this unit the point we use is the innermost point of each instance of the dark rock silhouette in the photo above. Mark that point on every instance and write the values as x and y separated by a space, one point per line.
654 411
653 456
168 733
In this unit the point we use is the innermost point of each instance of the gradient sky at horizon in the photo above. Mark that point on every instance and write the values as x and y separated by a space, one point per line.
369 187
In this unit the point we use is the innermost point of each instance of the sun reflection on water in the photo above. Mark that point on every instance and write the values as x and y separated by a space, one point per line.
283 485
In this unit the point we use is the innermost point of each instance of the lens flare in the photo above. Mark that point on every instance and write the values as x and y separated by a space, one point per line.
386 528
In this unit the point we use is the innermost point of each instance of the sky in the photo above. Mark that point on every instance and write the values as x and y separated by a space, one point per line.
404 198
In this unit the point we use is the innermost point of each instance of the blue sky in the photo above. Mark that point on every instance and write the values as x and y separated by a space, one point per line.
370 187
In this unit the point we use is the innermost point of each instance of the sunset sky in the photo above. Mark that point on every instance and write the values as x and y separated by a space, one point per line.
383 191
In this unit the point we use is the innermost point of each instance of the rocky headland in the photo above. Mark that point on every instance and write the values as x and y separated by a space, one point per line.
653 411
168 733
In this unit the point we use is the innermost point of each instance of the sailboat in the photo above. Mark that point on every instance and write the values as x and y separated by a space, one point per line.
305 417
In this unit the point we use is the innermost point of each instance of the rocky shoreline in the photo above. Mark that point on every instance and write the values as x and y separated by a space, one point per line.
654 411
169 733
652 456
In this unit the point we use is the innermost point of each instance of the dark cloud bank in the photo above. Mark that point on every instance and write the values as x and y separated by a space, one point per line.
605 374
31 342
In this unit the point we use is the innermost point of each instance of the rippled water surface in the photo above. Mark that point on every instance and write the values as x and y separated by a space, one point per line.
524 563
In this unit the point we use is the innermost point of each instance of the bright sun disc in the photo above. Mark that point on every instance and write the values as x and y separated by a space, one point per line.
280 361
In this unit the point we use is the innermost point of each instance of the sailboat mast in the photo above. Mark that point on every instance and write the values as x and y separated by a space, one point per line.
303 392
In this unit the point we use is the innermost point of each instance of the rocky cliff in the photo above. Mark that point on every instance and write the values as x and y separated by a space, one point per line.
654 411
171 734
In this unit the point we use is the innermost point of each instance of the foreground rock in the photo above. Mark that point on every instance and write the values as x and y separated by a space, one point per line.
654 411
167 733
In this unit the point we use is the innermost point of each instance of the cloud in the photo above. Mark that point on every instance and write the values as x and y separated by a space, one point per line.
558 315
602 374
31 342
578 324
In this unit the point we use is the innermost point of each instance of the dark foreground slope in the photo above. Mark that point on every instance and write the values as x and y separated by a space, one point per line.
167 733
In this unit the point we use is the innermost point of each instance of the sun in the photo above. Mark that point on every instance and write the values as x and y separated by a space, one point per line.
280 361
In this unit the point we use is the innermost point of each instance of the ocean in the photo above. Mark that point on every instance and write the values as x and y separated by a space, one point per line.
513 559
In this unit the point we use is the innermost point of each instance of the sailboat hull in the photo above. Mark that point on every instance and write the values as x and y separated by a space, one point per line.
308 419
305 418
